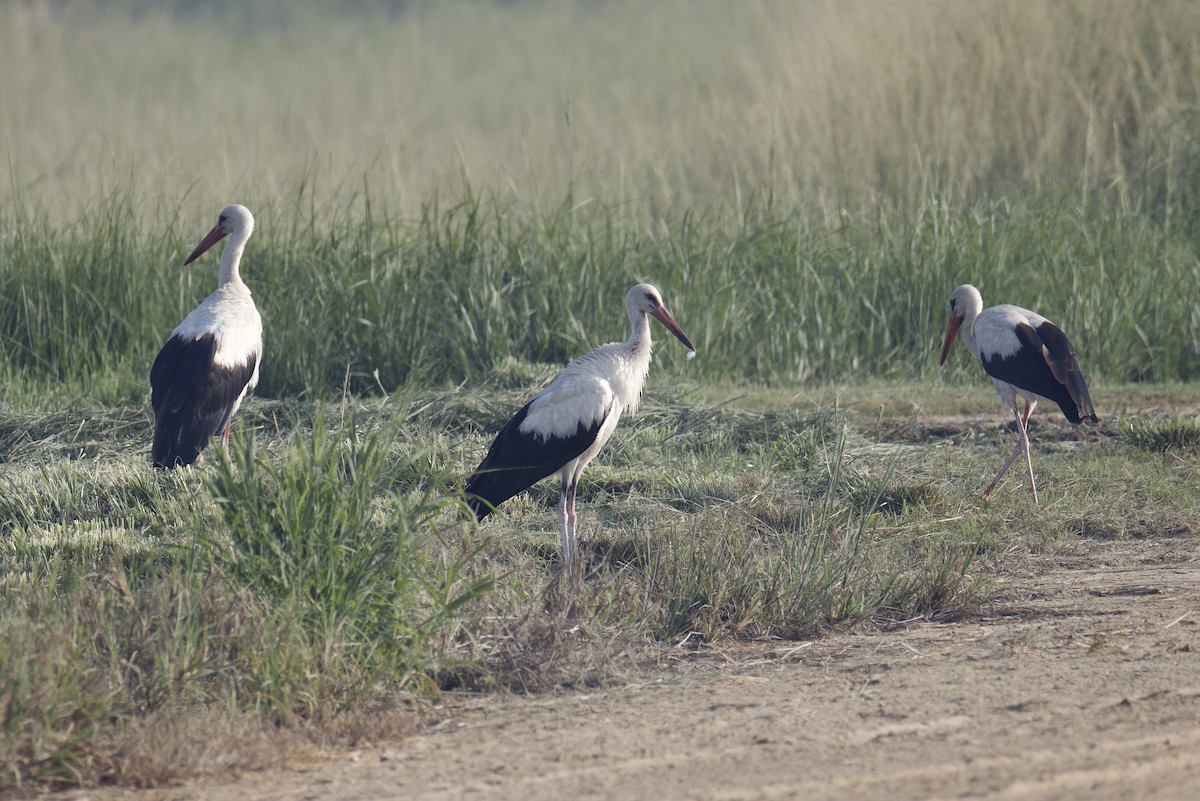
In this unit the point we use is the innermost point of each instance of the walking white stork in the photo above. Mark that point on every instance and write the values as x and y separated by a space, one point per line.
211 359
566 424
1027 356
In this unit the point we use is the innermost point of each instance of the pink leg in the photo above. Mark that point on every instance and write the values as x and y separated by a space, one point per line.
562 519
1022 445
570 544
1028 455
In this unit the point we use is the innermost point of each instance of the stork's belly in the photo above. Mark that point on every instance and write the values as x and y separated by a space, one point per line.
602 436
1008 395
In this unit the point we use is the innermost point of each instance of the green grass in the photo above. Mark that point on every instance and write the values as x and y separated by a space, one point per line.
452 199
1163 435
329 536
456 295
806 183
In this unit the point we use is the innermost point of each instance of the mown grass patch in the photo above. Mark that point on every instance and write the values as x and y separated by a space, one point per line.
326 571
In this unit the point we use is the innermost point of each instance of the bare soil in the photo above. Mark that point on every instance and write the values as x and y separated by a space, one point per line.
1081 680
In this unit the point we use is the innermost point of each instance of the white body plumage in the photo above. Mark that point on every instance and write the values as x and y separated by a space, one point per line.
992 333
229 315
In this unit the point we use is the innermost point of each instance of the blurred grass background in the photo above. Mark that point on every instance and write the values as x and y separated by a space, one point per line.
659 109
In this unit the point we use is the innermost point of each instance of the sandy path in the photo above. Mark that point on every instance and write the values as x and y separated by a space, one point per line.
1082 682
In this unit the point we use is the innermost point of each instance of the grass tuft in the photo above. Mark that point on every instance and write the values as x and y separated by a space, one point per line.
1162 435
328 535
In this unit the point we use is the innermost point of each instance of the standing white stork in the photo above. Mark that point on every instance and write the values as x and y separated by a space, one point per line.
566 424
1027 356
211 359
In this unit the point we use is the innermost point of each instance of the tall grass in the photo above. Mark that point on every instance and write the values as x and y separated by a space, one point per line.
459 293
664 108
805 182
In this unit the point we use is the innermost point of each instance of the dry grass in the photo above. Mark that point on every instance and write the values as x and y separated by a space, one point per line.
666 107
173 744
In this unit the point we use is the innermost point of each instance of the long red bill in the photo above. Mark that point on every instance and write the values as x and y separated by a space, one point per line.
664 317
951 332
211 238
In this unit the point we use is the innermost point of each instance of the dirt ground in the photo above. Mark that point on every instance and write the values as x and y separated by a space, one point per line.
1081 680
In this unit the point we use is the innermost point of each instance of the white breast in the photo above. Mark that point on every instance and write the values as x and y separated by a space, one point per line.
624 368
230 316
571 401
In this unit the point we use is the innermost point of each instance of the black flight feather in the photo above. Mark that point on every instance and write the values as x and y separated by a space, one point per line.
517 460
1046 365
192 398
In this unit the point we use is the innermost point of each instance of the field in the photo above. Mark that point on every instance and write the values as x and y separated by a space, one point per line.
451 200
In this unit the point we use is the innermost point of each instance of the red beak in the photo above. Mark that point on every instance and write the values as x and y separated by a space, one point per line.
663 316
211 238
951 333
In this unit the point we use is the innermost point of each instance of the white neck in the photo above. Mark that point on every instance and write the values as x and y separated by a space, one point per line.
967 332
231 256
632 375
640 332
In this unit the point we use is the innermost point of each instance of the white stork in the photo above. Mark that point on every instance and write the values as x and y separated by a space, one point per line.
566 424
1027 356
211 359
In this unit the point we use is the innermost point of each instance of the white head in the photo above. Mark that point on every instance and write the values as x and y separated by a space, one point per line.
965 305
645 299
233 219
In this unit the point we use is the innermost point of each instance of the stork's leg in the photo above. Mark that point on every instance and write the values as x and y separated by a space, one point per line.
570 546
572 519
1022 444
225 436
562 520
1025 443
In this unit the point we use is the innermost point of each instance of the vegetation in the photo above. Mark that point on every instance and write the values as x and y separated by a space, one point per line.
655 110
447 212
327 569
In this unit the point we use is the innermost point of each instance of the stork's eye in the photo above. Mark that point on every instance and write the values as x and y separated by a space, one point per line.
222 220
653 301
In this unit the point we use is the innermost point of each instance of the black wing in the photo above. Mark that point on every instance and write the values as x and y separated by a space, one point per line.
517 460
1046 365
192 398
